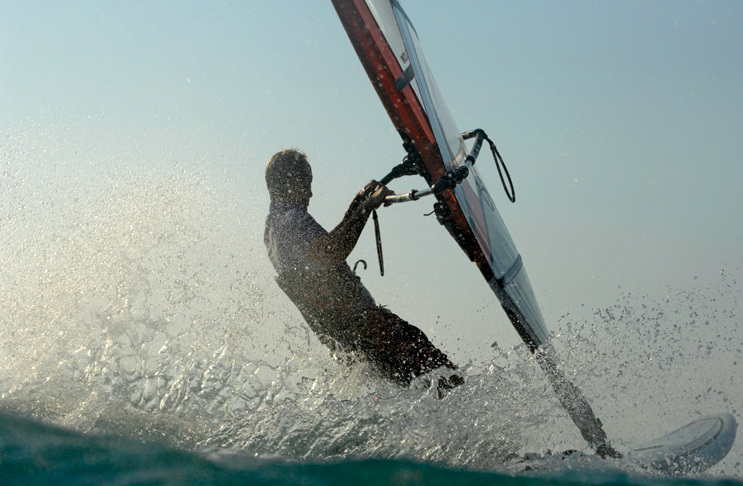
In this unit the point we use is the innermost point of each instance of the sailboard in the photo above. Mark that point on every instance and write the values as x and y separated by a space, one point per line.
388 47
690 449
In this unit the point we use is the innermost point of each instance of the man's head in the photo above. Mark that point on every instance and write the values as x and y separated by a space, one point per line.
289 177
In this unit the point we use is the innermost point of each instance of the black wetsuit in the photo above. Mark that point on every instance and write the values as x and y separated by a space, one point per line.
337 306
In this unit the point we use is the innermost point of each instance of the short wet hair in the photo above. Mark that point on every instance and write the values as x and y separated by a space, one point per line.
283 169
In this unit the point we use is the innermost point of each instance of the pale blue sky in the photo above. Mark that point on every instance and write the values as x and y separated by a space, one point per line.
620 123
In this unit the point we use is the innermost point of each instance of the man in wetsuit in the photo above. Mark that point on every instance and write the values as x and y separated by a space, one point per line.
312 271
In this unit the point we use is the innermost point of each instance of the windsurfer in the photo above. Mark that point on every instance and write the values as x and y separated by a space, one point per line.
312 271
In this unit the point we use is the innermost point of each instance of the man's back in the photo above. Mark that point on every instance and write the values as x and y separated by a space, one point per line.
289 231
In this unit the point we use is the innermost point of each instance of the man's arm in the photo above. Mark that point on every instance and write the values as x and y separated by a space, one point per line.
333 248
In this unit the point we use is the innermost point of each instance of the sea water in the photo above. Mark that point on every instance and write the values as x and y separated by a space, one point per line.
144 342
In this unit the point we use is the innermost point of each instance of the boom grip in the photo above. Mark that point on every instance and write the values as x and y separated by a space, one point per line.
399 198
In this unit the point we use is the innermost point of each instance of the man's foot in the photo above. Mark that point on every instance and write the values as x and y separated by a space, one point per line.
447 384
605 450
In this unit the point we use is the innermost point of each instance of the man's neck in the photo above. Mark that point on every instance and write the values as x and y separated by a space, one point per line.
290 203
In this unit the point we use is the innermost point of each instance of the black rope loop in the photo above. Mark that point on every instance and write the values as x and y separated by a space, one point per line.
498 164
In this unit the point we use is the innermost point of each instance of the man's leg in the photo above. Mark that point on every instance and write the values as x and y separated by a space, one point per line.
399 349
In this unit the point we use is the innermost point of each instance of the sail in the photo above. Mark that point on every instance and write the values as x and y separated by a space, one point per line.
389 49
